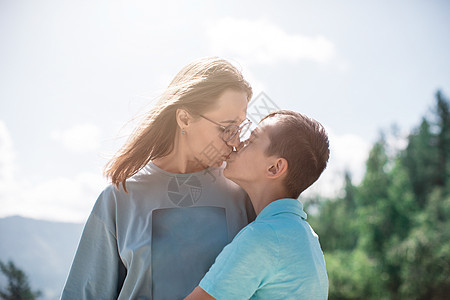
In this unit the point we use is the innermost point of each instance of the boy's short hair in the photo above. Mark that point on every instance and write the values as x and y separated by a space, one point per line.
303 142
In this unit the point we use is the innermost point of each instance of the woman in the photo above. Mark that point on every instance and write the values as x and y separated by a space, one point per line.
157 229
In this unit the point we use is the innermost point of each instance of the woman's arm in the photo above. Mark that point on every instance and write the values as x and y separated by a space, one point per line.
97 271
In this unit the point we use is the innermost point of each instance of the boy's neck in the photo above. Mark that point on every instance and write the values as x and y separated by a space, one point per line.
261 196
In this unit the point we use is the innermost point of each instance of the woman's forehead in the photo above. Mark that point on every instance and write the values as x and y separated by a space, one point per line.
230 108
234 119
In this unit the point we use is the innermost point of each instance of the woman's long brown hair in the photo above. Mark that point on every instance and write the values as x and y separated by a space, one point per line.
195 88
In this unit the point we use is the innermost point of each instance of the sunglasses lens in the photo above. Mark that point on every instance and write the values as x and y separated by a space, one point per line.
245 131
231 130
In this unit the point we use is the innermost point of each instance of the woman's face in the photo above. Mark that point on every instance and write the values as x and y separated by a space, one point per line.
204 138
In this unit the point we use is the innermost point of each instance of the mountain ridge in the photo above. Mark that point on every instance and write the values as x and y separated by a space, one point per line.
43 249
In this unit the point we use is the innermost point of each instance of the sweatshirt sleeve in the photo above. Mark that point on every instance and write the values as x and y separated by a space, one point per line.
97 271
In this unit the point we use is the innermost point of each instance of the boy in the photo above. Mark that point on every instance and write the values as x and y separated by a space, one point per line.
278 256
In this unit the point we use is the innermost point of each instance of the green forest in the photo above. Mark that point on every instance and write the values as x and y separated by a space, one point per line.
389 236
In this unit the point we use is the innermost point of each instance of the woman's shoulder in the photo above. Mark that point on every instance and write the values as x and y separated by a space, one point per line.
114 202
106 201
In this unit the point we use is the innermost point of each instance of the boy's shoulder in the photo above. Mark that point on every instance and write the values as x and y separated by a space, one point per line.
259 235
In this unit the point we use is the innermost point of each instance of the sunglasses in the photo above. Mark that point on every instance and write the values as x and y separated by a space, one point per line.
230 131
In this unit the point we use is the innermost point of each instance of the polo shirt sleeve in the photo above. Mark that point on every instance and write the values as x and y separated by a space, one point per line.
244 265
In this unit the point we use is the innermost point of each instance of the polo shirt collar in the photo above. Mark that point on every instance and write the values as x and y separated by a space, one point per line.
285 205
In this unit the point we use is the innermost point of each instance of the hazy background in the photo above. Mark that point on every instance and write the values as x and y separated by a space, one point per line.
73 73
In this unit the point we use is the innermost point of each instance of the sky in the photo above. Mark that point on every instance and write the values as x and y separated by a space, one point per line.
75 76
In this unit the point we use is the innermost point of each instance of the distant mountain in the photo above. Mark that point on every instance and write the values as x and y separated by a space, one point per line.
44 250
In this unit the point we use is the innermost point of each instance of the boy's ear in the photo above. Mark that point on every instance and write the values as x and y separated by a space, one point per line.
183 118
278 168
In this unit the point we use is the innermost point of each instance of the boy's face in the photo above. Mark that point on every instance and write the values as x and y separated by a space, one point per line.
249 164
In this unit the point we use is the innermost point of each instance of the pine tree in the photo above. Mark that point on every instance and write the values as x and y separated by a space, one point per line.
443 134
372 201
422 161
18 287
388 237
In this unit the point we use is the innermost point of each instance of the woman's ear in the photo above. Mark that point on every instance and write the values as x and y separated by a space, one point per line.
278 168
183 118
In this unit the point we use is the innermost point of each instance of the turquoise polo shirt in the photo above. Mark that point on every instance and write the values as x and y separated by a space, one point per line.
277 256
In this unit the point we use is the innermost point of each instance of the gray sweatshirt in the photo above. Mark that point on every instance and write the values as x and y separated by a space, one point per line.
159 239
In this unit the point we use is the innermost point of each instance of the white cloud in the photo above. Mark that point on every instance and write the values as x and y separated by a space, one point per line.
257 85
6 155
60 199
260 41
347 152
7 167
80 138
